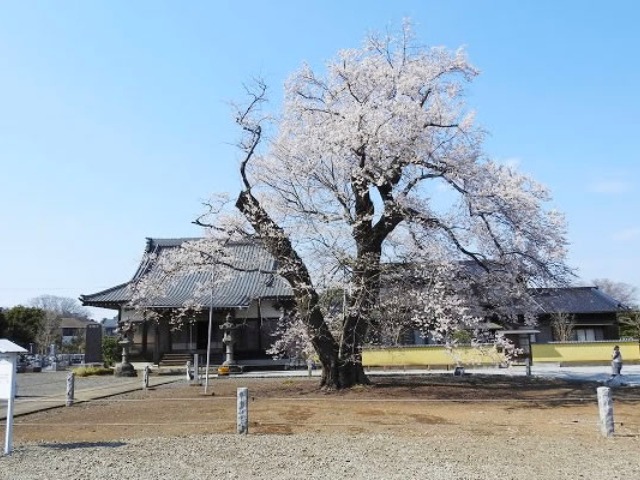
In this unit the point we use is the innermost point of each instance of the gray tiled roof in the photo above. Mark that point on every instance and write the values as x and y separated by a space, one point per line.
112 296
575 300
236 289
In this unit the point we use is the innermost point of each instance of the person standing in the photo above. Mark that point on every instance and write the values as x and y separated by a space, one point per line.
616 362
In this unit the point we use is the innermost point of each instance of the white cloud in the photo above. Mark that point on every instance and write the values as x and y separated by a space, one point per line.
627 235
612 187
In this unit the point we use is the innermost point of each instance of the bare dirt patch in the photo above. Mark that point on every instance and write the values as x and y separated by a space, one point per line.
409 405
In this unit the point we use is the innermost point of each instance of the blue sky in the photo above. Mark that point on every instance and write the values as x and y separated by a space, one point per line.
115 119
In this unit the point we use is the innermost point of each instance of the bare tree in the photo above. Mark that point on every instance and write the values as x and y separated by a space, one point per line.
563 325
64 307
631 323
624 293
48 331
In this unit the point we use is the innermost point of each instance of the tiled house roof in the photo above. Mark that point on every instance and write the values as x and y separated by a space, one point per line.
236 289
575 300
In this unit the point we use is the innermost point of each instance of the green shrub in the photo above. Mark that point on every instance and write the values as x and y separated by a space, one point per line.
89 371
110 350
462 336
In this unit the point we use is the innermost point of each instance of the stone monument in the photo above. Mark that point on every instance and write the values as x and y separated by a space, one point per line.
93 343
52 359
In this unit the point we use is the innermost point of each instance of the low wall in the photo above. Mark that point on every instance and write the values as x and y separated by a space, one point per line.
584 352
426 356
438 356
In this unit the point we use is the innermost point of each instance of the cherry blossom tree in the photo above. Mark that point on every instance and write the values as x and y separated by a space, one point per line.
374 162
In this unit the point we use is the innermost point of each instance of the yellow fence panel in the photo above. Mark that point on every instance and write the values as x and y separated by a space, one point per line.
584 352
439 356
430 356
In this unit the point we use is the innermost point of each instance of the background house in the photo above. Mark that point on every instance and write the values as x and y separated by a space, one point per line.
593 313
73 329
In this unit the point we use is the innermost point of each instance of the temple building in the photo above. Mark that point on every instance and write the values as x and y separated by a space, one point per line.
250 296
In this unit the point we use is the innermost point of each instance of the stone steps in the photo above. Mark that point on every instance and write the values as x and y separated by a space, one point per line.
175 359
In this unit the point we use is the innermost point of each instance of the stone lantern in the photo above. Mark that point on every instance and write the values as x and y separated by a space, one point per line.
229 328
124 368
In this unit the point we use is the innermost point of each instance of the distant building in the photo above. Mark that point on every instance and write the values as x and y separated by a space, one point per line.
73 329
594 313
110 326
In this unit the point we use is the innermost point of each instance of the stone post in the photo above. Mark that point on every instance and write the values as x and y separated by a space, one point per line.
605 406
196 367
145 377
71 380
243 411
53 357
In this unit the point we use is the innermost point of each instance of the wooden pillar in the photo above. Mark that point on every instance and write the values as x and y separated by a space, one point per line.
145 331
259 327
167 331
156 342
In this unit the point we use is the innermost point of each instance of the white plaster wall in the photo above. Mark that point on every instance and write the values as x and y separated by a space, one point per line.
266 309
131 316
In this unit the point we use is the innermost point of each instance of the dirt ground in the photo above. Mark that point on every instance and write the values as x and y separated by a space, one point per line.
478 405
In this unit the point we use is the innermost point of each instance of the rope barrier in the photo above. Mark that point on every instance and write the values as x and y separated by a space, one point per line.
318 399
297 425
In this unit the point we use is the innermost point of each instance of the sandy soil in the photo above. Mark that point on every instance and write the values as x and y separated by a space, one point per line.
481 406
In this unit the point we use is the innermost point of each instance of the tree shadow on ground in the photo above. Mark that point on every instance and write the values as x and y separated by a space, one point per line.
76 445
527 391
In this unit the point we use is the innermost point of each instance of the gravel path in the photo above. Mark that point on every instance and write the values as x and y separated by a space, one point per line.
437 456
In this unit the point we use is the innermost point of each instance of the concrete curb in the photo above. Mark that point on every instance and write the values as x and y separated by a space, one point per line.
41 404
631 377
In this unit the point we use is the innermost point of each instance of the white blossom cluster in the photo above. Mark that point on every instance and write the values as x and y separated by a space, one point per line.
388 118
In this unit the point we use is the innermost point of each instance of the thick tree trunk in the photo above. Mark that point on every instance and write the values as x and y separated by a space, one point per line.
341 363
351 373
338 374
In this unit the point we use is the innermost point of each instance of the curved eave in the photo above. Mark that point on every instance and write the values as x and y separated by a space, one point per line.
112 298
107 305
